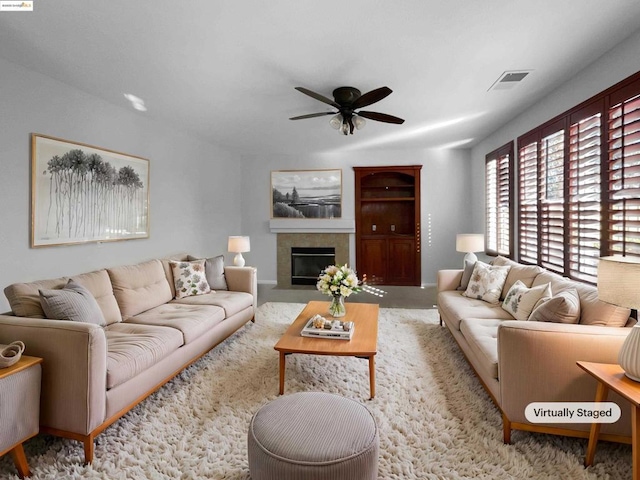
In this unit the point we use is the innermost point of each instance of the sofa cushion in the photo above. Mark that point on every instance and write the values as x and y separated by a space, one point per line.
189 278
133 348
525 273
482 337
486 282
457 307
562 308
73 302
214 270
191 320
520 300
24 298
231 302
99 284
140 287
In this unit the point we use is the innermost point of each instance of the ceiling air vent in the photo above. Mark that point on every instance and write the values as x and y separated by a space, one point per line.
509 79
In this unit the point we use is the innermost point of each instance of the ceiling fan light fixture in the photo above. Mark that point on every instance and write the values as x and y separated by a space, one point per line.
336 121
359 122
344 128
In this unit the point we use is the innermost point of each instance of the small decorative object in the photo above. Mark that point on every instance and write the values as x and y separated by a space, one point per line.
10 354
618 279
338 282
347 326
318 321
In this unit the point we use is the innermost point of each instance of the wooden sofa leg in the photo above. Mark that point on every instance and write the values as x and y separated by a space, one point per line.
506 429
88 449
20 461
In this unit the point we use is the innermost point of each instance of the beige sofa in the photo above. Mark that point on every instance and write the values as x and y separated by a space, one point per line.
93 375
520 362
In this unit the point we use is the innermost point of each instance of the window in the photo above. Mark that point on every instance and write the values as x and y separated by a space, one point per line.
499 193
579 184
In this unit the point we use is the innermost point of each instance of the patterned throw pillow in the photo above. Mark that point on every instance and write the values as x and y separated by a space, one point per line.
486 282
520 301
189 278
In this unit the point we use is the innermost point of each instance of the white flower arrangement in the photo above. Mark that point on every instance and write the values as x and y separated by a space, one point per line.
338 281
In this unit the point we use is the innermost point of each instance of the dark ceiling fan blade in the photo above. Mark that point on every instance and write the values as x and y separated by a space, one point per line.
381 117
312 115
371 97
317 96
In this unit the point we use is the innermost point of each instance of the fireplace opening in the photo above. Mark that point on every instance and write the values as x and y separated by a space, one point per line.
308 262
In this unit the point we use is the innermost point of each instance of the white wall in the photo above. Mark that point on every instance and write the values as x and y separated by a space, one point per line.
194 186
445 185
614 66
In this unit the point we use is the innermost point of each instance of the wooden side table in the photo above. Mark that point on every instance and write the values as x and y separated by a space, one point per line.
612 377
19 408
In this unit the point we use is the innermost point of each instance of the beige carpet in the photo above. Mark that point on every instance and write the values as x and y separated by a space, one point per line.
435 420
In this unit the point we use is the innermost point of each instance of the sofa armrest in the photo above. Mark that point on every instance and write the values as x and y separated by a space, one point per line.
74 370
448 279
243 279
537 362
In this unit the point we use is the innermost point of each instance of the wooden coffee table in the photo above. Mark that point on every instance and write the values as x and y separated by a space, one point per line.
363 343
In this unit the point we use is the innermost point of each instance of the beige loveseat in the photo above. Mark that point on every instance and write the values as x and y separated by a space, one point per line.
520 362
93 375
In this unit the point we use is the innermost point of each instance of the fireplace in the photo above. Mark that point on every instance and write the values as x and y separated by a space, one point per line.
339 242
308 262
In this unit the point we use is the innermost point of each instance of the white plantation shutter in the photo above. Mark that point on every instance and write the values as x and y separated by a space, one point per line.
623 173
585 212
528 202
499 192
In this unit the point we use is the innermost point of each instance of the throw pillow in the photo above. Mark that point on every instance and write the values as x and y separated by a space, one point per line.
520 301
486 282
72 302
564 307
189 278
214 271
466 275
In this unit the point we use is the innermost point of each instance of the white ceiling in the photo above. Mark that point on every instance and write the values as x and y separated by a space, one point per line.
226 69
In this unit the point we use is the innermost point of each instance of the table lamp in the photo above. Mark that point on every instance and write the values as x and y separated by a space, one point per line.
618 280
237 245
470 243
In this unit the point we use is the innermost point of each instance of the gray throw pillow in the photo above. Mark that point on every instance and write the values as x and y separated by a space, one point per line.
73 302
564 307
466 275
214 271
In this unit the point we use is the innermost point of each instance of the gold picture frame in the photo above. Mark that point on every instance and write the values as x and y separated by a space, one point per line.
311 194
81 193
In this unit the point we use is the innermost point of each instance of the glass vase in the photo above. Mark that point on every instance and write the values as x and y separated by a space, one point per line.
337 308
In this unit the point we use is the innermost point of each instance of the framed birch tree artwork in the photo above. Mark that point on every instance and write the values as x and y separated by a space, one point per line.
81 193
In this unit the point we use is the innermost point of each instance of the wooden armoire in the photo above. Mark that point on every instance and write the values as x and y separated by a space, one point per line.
387 207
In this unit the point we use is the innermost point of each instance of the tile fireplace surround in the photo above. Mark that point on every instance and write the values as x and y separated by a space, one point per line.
285 241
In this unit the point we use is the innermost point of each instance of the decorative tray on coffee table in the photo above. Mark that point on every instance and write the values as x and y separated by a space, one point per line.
336 331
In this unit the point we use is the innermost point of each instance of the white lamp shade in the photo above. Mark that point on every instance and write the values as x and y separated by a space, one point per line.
619 280
469 242
238 244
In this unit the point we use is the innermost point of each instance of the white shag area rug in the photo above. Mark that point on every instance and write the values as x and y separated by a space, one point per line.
435 419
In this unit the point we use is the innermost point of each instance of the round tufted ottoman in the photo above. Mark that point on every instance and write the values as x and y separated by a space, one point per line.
313 436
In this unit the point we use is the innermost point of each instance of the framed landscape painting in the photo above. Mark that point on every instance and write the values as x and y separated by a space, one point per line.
81 193
306 194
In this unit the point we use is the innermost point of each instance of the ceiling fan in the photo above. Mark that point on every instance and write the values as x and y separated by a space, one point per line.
347 100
